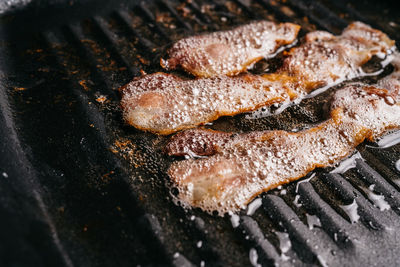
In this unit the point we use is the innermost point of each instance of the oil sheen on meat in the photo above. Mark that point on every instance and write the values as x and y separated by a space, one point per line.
230 52
241 167
163 103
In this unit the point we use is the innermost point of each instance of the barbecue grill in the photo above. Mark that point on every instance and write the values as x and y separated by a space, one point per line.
80 188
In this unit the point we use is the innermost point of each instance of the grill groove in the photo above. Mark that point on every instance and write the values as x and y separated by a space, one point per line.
350 194
331 221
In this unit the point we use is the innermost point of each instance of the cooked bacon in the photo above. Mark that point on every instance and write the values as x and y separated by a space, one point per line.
163 103
245 165
198 142
326 58
230 52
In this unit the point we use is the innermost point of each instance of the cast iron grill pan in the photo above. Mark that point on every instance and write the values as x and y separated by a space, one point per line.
80 188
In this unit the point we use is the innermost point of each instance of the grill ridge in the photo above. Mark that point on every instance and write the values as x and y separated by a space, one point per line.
147 222
382 165
276 9
151 19
75 36
176 16
203 17
112 44
251 228
355 15
325 13
124 18
350 194
301 8
283 214
333 223
381 185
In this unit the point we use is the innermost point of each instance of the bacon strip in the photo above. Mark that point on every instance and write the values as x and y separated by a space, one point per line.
163 103
230 52
245 165
328 58
197 142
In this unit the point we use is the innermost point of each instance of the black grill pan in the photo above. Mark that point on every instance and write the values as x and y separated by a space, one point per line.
80 188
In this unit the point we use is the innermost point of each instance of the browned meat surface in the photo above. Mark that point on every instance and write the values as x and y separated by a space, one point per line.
243 166
326 58
230 52
163 103
198 142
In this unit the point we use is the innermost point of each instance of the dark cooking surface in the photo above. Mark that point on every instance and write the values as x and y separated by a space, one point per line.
78 187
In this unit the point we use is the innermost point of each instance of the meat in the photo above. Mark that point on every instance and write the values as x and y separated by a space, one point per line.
243 166
196 143
230 52
163 103
326 58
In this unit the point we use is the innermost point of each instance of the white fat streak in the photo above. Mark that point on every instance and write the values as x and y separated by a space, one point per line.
357 74
351 211
265 112
284 241
322 261
304 181
253 257
397 165
378 200
390 56
347 164
253 206
389 140
190 154
284 244
313 220
397 182
296 201
235 219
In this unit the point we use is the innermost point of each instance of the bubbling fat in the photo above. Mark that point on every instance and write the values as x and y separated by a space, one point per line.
241 167
230 52
164 104
326 58
197 142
